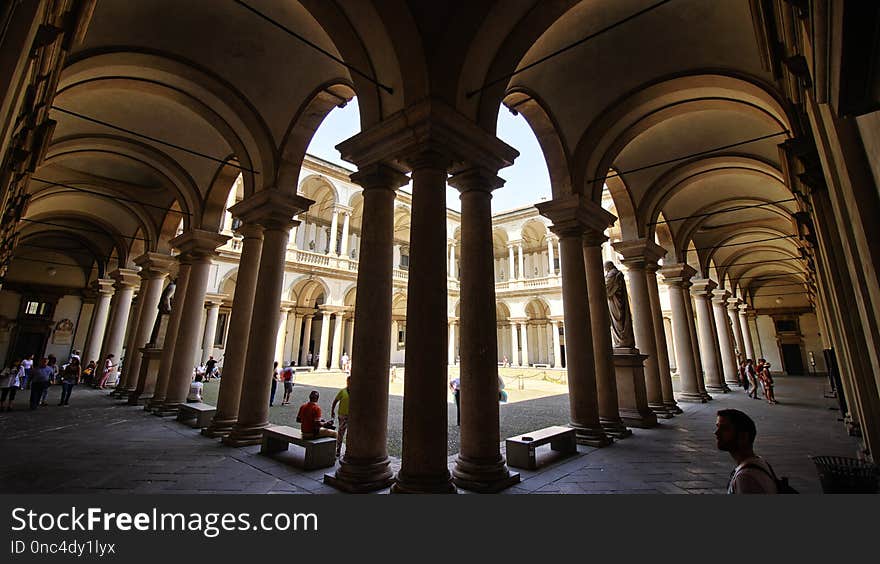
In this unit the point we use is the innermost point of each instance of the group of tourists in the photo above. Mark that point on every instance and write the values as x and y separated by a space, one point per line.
750 374
23 374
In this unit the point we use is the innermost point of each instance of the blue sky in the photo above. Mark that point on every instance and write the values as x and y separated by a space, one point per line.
527 180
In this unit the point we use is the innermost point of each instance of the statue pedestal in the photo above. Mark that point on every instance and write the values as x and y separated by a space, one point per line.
146 384
632 397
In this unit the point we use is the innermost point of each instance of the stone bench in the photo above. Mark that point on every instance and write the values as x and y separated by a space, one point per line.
521 448
196 415
320 453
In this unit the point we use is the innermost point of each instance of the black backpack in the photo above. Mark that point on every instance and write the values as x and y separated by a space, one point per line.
782 485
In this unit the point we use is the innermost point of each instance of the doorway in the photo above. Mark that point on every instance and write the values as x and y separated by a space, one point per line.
792 361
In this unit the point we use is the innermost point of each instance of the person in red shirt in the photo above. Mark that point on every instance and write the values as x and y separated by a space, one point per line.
309 418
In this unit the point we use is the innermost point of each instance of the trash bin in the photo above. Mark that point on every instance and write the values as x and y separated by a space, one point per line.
839 474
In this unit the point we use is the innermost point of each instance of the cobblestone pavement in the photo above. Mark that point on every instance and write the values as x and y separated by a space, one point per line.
100 445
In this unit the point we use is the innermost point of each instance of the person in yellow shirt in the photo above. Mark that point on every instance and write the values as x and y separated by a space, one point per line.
341 399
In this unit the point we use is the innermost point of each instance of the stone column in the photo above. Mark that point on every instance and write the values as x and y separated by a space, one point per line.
514 346
423 465
170 339
557 346
733 312
520 262
524 338
571 217
451 342
210 328
274 211
281 335
349 335
660 339
324 343
722 326
229 394
747 334
334 225
154 268
695 345
126 280
336 350
600 319
452 273
511 263
541 348
479 465
365 465
551 267
719 369
346 220
92 351
307 337
639 255
675 277
752 318
709 353
200 245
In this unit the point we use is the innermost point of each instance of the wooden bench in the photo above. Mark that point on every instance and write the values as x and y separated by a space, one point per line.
320 453
196 415
521 448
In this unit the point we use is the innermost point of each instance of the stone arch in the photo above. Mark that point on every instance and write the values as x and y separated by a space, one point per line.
198 84
624 207
661 99
545 129
302 128
306 290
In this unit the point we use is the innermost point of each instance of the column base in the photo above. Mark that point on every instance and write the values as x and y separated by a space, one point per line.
638 420
591 436
691 397
245 436
360 475
483 477
436 484
706 396
717 389
673 408
119 392
615 428
136 399
732 383
661 411
219 428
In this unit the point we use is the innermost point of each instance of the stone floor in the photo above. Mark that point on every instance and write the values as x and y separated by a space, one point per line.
98 445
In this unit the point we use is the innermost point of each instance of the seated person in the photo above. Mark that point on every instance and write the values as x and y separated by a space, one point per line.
195 390
309 417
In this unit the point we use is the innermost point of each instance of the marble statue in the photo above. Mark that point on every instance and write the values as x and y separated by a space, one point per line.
618 307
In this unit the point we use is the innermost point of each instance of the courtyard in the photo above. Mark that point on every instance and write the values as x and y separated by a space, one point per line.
100 445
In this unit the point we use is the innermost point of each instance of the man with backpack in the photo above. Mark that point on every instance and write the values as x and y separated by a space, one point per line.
735 433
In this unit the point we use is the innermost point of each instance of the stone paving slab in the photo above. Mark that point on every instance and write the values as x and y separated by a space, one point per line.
98 445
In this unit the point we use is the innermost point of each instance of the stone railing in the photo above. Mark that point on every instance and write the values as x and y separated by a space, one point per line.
528 284
306 257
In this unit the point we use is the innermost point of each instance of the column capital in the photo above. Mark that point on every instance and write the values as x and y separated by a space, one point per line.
512 244
745 308
677 274
593 238
125 277
198 243
215 300
574 215
155 265
639 253
271 208
430 124
703 287
330 309
720 296
733 303
379 176
477 179
103 286
249 230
